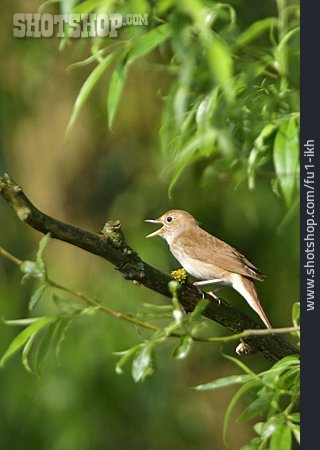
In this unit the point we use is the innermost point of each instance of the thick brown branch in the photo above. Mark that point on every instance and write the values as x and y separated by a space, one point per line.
111 245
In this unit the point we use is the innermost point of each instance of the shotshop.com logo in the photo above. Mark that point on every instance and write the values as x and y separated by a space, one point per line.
73 25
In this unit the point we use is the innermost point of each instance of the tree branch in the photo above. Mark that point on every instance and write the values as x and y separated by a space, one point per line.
111 245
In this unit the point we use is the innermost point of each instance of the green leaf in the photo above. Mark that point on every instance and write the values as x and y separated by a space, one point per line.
296 431
20 340
125 356
240 392
67 306
87 88
280 54
259 147
272 375
154 307
241 365
266 429
223 382
286 157
39 259
221 65
253 445
142 363
295 417
256 30
45 342
37 295
256 407
182 350
26 352
281 438
63 328
86 7
21 322
192 152
296 314
115 90
149 41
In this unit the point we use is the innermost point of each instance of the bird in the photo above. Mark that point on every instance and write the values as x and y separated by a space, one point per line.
209 259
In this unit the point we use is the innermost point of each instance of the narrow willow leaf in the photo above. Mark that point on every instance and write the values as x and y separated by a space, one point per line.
65 325
87 88
26 352
295 417
125 356
296 431
82 63
42 246
47 3
182 350
286 157
221 65
296 314
258 148
280 54
256 407
86 7
21 322
149 41
223 382
286 361
254 444
45 341
192 152
115 90
267 428
177 174
256 30
20 340
241 365
240 392
281 438
67 306
37 295
142 363
154 307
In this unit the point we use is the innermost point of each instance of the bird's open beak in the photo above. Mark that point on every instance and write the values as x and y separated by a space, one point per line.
157 232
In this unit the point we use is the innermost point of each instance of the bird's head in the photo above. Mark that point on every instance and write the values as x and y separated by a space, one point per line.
173 223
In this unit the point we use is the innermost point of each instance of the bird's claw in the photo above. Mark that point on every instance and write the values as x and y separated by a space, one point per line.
212 294
200 291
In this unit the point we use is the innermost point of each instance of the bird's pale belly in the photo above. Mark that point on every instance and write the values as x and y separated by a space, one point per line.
199 269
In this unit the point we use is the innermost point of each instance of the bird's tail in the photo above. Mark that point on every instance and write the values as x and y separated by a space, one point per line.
246 287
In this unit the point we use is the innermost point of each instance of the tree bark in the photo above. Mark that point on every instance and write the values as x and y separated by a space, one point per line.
110 244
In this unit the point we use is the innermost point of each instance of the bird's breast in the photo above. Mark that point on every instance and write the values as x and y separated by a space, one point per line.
197 268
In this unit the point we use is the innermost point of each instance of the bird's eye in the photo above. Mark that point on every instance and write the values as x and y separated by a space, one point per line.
169 219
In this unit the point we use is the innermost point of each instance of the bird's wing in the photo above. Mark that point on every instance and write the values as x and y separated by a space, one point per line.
209 249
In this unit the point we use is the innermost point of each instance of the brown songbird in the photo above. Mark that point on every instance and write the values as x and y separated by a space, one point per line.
209 259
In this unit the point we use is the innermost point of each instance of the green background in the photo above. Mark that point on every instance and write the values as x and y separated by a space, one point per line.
87 178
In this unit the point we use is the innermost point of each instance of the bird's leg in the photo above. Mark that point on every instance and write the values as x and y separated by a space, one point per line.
204 282
211 293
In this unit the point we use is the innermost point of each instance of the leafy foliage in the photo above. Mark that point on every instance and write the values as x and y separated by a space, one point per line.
232 106
274 392
233 100
274 395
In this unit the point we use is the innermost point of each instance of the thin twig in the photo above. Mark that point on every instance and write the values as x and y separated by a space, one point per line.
9 256
112 246
148 325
